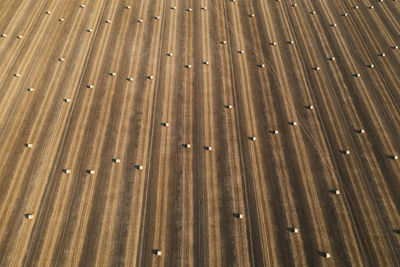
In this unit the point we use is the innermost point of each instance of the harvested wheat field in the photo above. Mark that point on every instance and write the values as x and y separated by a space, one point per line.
199 133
